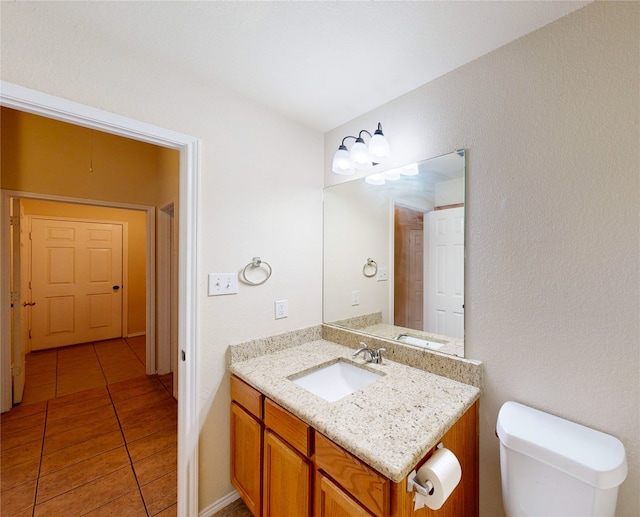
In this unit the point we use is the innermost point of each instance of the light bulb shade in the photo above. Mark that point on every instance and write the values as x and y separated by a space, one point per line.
341 162
375 179
359 155
379 149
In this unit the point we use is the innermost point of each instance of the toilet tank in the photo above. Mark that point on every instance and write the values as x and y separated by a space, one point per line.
553 467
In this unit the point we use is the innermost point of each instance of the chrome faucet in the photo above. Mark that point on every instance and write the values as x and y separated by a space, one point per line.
370 355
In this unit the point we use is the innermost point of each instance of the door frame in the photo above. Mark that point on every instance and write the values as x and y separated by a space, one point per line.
38 103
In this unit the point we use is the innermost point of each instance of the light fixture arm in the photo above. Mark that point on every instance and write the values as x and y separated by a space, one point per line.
361 155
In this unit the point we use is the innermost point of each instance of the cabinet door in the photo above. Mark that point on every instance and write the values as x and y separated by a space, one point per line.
332 501
287 480
246 453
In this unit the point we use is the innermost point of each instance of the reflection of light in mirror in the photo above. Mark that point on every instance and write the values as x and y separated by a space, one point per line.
409 170
375 179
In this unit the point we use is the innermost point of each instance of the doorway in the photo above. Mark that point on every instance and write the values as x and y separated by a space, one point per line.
23 99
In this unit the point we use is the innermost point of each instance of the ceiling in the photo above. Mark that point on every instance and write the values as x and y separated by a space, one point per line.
321 63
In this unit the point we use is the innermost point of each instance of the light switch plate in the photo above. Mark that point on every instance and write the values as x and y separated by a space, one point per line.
382 274
223 283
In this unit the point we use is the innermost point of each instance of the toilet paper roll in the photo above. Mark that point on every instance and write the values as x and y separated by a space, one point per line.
443 470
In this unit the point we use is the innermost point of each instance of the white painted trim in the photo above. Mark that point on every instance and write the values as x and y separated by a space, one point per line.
163 306
219 504
23 99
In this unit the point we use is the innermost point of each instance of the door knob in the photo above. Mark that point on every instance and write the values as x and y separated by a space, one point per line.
116 287
28 304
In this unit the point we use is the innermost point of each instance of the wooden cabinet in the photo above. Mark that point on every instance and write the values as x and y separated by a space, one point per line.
246 444
282 467
332 501
287 479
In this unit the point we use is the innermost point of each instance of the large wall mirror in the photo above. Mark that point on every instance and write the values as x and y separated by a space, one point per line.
394 254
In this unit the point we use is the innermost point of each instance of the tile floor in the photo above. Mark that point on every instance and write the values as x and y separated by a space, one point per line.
93 436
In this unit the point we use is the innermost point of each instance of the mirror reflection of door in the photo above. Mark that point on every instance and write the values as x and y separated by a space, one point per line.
408 268
445 278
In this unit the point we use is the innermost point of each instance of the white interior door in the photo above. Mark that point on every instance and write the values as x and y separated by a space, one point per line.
445 299
76 282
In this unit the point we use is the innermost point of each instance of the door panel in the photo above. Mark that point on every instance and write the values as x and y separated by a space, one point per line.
75 266
445 303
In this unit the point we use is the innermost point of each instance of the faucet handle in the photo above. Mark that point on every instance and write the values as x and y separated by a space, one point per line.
378 355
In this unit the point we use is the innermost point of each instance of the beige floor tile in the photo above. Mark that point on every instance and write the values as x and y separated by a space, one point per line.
155 466
70 455
152 444
18 498
161 493
82 433
78 474
19 474
128 505
89 496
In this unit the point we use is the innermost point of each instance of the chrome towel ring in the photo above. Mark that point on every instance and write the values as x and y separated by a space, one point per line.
372 267
255 263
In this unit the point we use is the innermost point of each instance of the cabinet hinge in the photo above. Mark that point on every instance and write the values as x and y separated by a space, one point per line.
14 220
15 296
16 371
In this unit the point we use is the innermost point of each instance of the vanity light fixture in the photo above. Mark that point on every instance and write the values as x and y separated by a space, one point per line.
361 156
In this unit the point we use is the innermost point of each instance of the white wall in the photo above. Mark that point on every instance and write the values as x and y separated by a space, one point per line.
252 202
550 123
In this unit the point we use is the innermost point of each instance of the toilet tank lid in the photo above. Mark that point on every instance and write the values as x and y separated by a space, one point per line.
589 455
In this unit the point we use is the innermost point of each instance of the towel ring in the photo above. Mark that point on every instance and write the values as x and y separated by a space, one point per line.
370 264
255 263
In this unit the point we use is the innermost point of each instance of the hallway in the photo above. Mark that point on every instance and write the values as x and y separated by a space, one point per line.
93 436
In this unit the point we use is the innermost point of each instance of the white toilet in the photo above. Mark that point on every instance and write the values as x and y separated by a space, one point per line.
555 468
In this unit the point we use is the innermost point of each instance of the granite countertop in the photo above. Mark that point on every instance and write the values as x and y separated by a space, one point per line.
390 424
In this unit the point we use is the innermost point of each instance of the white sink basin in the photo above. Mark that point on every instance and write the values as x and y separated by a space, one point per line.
416 341
336 380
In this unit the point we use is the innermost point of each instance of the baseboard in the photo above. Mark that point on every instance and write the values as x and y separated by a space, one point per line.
136 334
220 504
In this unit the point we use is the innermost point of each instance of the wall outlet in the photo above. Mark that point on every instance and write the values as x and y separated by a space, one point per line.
282 309
382 274
223 283
355 297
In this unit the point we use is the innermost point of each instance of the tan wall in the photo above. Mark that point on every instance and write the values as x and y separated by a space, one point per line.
551 125
46 156
135 289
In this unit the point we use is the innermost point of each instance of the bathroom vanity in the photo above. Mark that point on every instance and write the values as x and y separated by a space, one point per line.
294 453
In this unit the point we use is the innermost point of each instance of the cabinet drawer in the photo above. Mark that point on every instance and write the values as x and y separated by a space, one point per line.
248 397
366 485
288 426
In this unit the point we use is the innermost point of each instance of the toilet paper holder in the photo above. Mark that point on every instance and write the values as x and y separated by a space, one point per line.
412 482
